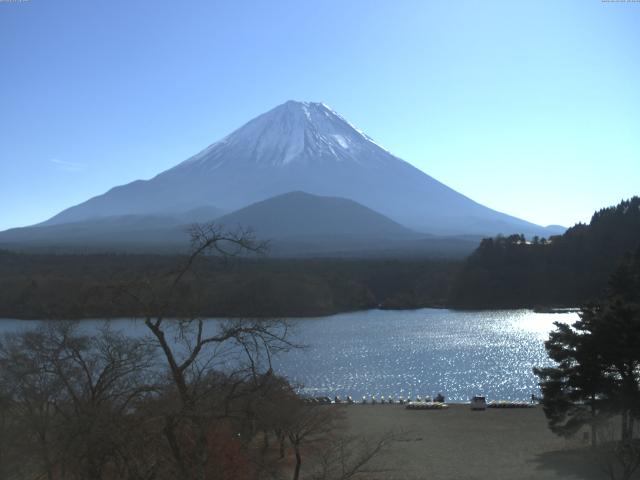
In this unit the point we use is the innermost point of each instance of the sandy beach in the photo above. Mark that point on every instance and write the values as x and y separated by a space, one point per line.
458 443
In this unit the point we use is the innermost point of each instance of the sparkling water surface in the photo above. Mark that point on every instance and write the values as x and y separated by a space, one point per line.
422 352
409 352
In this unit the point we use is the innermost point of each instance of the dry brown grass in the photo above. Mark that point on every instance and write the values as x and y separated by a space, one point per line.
460 444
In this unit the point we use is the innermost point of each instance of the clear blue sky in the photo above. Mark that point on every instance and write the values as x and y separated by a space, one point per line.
529 107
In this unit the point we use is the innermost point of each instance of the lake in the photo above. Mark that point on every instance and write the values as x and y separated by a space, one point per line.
409 352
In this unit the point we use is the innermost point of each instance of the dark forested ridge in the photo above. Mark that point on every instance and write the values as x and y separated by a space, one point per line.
84 286
566 270
504 272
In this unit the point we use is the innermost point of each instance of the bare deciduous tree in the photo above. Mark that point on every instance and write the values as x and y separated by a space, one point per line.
70 393
193 348
189 400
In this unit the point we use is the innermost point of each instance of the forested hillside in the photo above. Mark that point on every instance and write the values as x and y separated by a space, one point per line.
77 286
504 272
565 270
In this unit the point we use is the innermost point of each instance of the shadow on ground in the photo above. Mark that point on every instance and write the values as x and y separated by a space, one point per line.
579 463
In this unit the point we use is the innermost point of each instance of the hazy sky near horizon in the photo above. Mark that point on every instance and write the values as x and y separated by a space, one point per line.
529 107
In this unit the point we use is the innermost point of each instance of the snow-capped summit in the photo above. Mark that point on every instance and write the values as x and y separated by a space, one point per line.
291 132
306 147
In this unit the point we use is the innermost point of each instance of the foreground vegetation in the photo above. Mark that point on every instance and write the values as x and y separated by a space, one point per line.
597 373
188 400
193 400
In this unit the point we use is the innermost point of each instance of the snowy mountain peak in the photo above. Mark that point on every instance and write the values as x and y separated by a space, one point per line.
292 133
306 147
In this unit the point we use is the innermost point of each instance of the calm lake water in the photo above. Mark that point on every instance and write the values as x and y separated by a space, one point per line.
409 352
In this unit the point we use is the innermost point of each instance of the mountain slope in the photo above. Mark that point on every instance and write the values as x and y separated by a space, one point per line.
298 218
308 147
296 224
299 214
128 232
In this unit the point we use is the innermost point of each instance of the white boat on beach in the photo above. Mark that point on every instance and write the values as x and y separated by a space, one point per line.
426 406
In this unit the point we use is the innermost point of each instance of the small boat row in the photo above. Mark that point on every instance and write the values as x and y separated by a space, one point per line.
426 406
374 400
509 404
317 400
477 402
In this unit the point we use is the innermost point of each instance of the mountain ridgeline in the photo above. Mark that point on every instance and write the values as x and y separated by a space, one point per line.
299 147
294 224
503 272
566 270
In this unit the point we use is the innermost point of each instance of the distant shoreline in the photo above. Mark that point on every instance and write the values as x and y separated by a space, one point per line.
552 310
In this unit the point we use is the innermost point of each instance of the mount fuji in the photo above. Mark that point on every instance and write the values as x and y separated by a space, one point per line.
303 147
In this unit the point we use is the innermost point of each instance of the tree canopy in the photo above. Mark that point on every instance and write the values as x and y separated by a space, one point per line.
565 270
597 371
